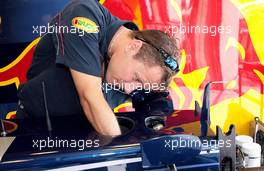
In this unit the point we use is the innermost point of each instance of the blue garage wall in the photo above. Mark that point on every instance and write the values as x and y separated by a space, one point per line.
16 31
19 16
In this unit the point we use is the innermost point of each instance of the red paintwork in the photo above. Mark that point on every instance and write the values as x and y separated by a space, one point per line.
182 117
203 50
20 69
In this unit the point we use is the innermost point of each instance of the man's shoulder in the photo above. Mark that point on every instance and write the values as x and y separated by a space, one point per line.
91 9
92 3
85 6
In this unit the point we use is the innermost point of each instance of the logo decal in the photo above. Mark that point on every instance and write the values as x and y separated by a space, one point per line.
85 24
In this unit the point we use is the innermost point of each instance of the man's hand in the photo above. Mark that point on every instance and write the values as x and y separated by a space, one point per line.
94 105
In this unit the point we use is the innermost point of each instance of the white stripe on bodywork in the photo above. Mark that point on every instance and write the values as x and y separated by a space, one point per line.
120 167
99 164
121 164
5 143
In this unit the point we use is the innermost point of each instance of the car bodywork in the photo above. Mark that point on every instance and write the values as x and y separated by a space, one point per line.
219 41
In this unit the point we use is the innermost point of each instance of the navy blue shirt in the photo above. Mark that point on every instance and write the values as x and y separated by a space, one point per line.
85 48
80 39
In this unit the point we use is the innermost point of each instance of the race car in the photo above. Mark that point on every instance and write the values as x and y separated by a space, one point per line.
151 139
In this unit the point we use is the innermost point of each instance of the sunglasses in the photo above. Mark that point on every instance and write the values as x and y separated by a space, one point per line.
169 60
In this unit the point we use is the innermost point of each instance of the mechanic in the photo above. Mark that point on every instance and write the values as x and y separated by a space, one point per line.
75 66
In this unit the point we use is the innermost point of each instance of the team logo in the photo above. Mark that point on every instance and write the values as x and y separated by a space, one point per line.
85 24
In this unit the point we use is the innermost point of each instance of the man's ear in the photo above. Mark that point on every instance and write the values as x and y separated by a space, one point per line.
133 46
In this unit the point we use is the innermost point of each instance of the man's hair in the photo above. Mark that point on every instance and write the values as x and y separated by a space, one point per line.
151 56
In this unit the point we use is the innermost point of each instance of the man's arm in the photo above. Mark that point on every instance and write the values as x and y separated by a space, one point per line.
94 105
